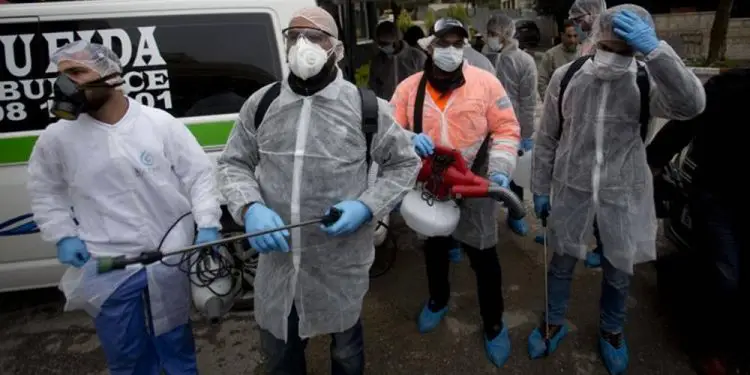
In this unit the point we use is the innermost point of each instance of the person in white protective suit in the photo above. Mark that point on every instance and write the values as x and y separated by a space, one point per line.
307 155
595 166
584 13
129 172
516 70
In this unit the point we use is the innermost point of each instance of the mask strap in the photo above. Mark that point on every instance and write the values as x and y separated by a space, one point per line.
102 82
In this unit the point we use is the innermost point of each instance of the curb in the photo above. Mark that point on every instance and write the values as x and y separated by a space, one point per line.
707 71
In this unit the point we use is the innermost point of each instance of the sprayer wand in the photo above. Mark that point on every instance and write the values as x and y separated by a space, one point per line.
107 264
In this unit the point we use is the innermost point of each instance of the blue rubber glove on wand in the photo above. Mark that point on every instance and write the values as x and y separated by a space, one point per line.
637 32
353 215
261 218
541 205
72 251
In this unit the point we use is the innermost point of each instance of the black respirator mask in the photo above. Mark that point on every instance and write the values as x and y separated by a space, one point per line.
70 98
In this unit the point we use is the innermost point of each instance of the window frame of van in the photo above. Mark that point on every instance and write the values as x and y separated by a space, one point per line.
211 142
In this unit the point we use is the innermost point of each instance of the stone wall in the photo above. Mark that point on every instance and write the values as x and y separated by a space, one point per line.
689 34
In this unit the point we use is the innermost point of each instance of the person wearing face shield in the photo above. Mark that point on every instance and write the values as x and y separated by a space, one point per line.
584 13
130 172
591 163
395 60
307 154
466 108
558 55
516 70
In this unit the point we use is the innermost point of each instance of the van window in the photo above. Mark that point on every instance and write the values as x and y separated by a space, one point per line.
192 65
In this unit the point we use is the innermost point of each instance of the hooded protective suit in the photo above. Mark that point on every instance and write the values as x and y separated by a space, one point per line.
476 58
307 155
516 70
587 11
598 166
387 70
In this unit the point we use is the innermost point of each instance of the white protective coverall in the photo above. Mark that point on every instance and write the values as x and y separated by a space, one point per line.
587 11
127 182
306 156
516 70
598 167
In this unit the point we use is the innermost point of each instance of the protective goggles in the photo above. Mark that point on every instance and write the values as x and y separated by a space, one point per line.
313 35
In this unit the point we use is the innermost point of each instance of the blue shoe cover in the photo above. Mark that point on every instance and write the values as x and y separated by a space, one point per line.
428 319
455 255
615 360
539 239
593 259
518 227
498 349
538 346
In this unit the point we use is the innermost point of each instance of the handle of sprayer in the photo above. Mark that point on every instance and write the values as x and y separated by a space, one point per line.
333 215
516 209
108 264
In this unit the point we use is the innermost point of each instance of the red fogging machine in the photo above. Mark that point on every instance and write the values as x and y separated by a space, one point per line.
431 209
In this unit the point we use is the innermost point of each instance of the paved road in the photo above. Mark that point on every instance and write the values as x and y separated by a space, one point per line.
37 338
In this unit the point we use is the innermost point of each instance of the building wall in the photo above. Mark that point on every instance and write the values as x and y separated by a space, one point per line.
689 34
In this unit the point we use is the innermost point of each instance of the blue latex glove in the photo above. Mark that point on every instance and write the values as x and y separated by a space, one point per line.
527 144
207 235
423 144
353 215
259 218
72 251
630 27
500 179
541 205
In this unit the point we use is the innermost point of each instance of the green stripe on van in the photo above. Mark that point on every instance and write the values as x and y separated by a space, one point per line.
18 150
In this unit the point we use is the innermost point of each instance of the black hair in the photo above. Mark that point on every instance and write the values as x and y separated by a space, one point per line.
413 34
566 24
386 28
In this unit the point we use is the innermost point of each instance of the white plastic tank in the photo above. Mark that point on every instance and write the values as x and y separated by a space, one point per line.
430 219
522 174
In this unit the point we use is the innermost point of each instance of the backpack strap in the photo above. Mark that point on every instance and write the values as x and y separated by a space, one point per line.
370 114
268 97
572 69
419 104
644 87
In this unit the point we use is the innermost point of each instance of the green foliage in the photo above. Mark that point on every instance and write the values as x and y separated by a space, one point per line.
404 20
362 75
429 19
458 12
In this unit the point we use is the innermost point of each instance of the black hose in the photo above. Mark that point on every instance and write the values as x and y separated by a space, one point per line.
391 255
516 208
203 275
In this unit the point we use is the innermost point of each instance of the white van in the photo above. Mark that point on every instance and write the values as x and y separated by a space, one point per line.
198 59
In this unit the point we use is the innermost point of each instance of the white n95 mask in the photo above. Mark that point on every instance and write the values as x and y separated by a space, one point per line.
307 59
494 44
448 59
